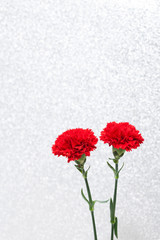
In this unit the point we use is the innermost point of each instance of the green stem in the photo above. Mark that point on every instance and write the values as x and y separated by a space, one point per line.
114 200
92 211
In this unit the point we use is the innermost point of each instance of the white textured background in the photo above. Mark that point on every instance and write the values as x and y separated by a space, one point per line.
67 64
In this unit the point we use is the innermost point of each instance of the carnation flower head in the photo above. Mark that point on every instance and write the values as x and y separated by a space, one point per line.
121 135
73 143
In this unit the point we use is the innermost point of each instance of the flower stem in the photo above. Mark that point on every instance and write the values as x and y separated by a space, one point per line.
91 209
114 201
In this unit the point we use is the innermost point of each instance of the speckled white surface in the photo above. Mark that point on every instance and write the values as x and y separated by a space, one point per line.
67 64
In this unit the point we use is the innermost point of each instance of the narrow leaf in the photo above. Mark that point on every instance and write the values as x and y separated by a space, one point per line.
116 227
111 167
121 168
84 196
101 201
111 211
86 172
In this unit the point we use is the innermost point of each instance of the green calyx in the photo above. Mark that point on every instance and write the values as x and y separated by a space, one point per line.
118 153
81 160
80 163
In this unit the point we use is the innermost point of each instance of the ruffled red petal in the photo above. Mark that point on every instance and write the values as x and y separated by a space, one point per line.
75 142
121 135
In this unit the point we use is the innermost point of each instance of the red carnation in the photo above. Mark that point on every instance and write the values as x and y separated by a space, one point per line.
121 135
75 142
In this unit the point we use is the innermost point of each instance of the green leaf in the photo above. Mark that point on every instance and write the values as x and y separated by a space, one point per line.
84 196
121 168
116 173
111 211
101 201
111 167
116 227
86 172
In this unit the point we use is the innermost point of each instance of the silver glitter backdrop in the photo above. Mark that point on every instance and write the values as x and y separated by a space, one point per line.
68 64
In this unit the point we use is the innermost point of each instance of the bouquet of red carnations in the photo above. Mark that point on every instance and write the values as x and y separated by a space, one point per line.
76 145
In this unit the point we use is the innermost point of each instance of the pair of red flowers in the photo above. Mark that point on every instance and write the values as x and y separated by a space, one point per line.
75 142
